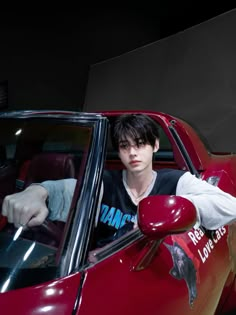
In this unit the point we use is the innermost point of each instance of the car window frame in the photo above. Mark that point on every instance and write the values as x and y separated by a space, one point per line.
79 235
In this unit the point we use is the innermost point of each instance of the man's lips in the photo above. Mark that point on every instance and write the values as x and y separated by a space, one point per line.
134 162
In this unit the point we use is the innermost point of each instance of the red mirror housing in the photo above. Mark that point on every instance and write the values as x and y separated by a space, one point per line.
162 215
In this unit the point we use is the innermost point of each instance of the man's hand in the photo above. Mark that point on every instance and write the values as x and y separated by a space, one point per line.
27 208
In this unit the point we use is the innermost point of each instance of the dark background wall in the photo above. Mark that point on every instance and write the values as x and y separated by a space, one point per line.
45 56
191 74
46 60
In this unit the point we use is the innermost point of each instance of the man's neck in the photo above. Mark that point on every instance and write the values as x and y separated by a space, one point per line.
141 184
139 181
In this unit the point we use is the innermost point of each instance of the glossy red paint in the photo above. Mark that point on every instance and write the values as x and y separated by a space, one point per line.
177 215
228 296
54 298
126 289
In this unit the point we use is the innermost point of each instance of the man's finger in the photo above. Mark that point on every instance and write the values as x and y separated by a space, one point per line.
39 218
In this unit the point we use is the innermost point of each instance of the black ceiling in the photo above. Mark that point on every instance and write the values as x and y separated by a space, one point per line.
108 32
174 16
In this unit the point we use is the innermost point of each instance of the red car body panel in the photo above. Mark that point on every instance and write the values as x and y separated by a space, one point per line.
159 292
56 297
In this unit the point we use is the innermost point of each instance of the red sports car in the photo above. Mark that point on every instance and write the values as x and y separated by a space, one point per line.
165 266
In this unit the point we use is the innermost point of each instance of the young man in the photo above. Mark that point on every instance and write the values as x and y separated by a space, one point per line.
136 138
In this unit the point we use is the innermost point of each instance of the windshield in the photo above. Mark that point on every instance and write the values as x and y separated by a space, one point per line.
33 150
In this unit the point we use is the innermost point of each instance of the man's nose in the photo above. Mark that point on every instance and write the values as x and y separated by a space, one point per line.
132 150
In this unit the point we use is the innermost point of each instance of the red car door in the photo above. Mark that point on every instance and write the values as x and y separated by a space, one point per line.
144 276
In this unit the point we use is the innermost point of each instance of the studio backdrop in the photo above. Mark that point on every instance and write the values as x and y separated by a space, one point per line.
191 74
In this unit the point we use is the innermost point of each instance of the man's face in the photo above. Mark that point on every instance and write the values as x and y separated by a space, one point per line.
135 155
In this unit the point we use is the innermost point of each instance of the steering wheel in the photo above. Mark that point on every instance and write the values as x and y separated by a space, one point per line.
52 230
48 233
3 221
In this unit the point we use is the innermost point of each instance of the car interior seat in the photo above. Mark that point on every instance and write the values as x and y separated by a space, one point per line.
50 166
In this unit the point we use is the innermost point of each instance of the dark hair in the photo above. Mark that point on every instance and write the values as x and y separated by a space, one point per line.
134 126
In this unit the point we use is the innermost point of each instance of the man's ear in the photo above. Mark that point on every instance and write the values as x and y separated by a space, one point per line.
156 146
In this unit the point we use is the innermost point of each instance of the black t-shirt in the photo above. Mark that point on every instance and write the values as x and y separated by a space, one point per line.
118 212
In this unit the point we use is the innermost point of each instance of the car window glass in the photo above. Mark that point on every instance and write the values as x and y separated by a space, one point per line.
33 151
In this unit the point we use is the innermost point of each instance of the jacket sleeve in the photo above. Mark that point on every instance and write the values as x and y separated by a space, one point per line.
60 193
215 207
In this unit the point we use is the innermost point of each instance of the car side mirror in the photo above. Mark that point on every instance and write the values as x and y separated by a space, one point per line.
162 215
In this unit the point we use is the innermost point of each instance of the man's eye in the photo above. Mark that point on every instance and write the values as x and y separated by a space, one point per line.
140 143
123 146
